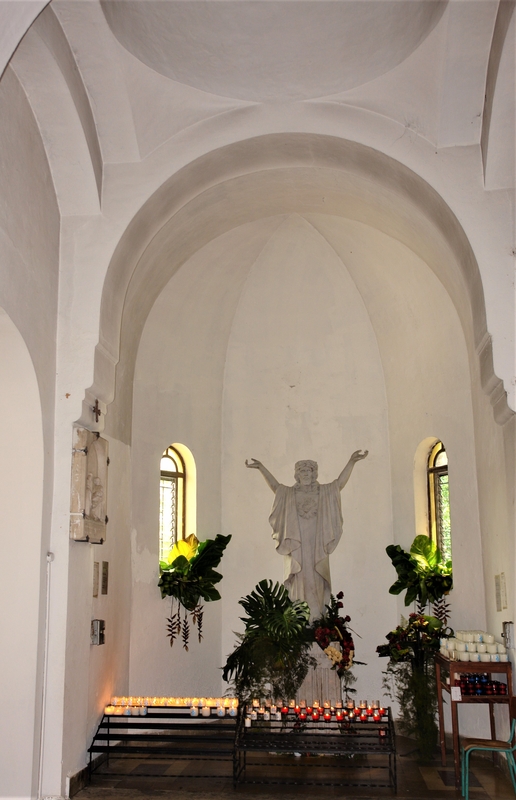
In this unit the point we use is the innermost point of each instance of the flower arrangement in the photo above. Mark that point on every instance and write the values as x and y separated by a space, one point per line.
414 640
333 628
187 575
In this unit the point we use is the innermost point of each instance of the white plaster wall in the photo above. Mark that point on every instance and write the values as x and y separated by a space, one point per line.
29 261
428 384
21 495
29 236
307 338
177 398
304 379
96 673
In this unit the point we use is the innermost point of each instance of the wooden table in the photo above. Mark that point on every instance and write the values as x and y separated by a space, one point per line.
455 668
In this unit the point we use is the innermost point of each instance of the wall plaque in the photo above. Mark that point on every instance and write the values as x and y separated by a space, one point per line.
88 518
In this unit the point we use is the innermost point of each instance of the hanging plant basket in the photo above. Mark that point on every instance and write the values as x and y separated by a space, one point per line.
189 575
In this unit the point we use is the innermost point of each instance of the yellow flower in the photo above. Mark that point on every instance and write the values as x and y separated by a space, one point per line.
184 547
333 654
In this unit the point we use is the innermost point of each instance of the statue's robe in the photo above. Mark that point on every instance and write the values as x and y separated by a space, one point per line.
306 543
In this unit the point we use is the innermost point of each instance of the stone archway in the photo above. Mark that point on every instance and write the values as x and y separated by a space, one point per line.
261 177
21 494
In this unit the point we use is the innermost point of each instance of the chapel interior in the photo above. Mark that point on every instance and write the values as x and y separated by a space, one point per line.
270 229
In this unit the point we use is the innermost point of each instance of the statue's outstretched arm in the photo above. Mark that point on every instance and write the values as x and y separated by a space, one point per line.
344 476
269 479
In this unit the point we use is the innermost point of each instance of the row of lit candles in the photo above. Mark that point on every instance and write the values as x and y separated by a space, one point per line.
296 706
176 702
195 711
303 713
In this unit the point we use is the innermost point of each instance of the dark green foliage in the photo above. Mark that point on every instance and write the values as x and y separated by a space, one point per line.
189 580
410 674
416 641
421 572
410 678
415 691
272 658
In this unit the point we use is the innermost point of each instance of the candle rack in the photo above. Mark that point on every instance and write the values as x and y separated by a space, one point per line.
164 732
357 752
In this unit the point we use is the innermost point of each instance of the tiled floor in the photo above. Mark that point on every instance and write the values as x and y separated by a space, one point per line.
141 778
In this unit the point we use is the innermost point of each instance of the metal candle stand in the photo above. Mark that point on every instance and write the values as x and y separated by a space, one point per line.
348 747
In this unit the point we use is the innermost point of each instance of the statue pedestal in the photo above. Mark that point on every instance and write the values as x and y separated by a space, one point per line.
322 682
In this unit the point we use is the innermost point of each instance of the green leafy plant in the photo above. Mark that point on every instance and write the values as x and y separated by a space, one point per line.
410 678
272 657
415 640
410 674
421 572
187 576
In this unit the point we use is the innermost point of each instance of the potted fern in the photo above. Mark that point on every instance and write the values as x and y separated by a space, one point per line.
272 657
410 674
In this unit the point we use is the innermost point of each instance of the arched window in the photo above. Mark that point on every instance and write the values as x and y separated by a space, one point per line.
177 497
439 499
172 506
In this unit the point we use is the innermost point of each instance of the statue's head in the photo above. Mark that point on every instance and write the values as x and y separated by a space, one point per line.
306 471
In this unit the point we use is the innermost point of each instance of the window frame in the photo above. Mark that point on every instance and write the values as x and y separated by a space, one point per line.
434 474
180 477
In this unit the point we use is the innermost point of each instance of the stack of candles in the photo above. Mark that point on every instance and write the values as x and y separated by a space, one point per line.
473 646
137 706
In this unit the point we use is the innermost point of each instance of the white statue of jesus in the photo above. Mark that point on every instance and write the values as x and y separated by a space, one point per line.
306 523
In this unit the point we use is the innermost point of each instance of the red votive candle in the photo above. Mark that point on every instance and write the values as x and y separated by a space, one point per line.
356 712
315 715
377 716
363 716
297 709
284 710
339 716
309 709
327 716
302 716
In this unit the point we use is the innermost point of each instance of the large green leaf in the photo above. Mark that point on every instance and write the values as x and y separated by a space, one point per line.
209 592
273 653
425 552
209 554
421 572
180 564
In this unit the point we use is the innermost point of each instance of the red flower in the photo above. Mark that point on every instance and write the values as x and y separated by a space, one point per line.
340 596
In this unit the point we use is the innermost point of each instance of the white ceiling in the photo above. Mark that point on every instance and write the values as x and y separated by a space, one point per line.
255 51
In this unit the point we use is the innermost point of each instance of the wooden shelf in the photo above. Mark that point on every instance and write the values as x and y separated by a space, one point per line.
458 668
